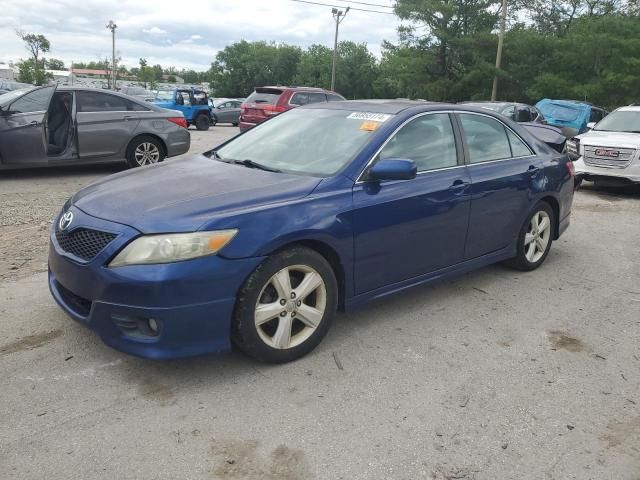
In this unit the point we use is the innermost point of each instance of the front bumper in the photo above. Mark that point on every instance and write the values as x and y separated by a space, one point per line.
628 174
191 302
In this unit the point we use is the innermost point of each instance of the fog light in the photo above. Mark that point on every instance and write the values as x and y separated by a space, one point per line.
153 326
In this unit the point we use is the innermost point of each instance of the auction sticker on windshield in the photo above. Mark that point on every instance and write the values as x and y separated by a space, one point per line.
374 117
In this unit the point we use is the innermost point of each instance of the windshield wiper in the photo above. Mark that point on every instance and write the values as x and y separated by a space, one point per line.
252 164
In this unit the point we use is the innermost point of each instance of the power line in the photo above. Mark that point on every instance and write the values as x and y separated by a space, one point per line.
372 4
342 6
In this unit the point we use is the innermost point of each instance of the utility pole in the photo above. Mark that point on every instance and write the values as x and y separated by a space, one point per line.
338 16
112 26
503 25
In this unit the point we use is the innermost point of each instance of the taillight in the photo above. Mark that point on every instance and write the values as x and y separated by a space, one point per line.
274 109
571 168
180 121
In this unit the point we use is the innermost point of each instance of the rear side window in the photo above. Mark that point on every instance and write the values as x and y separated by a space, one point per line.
299 99
104 102
317 97
486 138
518 147
596 115
427 140
34 101
264 95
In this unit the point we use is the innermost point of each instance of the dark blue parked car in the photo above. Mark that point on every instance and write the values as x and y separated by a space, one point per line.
327 206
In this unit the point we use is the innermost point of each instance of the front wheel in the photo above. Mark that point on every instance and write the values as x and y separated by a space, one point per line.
286 306
535 238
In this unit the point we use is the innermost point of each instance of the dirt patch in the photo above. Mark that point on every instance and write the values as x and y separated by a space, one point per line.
618 433
560 340
160 392
30 342
242 460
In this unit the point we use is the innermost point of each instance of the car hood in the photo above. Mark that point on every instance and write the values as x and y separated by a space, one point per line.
610 139
185 194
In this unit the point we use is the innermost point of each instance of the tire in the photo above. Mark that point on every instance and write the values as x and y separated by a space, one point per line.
214 120
202 122
534 242
234 124
144 150
291 324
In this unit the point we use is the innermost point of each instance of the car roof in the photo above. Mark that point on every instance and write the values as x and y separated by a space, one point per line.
491 102
391 107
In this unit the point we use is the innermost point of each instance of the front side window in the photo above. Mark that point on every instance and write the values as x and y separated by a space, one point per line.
486 138
34 101
427 140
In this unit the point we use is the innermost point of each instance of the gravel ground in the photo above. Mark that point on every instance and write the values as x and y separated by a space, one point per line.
495 375
31 199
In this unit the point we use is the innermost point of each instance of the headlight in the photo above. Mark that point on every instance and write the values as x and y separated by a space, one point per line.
172 247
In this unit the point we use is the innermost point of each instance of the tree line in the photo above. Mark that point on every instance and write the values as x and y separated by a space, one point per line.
445 51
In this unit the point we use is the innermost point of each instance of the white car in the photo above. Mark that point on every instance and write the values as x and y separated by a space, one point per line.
609 153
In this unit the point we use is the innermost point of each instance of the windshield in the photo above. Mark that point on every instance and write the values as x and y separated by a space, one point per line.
304 141
620 121
164 95
9 97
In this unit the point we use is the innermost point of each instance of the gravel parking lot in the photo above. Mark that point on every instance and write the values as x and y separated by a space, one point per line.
495 375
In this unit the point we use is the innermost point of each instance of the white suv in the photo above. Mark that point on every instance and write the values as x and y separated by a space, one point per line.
610 152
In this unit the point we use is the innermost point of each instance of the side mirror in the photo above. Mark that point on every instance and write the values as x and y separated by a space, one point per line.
590 125
393 169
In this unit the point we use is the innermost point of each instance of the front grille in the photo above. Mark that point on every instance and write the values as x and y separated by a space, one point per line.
595 156
83 242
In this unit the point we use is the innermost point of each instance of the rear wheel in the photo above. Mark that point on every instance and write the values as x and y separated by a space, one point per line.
202 122
143 151
286 306
536 236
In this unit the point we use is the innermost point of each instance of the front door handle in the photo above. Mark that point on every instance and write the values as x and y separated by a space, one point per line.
458 185
34 123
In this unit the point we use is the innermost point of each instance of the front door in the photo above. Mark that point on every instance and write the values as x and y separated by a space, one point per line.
23 133
504 172
406 228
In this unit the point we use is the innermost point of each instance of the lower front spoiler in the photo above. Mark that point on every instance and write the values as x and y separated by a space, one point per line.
183 331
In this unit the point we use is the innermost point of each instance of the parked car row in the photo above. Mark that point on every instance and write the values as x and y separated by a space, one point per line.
48 126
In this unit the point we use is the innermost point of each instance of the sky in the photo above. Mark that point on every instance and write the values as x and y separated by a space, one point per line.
182 34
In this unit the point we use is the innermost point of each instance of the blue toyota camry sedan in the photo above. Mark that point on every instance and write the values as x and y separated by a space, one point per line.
258 242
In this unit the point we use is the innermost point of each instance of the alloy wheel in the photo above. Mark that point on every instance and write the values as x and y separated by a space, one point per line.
290 307
537 237
147 153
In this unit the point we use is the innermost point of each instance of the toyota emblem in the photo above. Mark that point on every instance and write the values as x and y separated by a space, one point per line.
65 220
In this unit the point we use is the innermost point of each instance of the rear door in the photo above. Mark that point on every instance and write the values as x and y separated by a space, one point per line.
23 132
504 172
105 123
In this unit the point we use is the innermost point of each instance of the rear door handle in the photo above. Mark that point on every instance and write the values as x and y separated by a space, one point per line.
533 170
128 117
